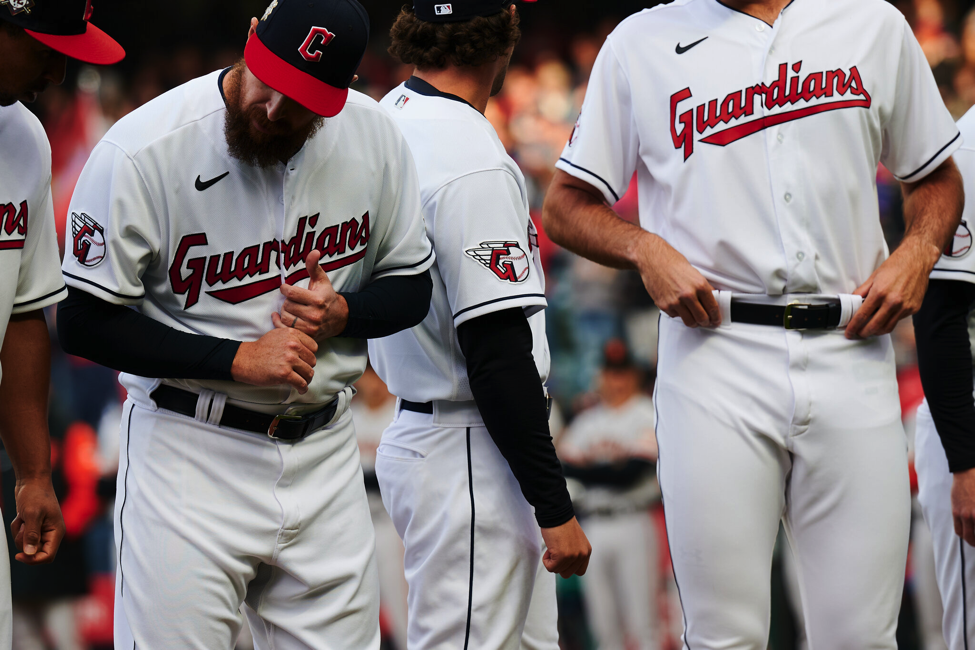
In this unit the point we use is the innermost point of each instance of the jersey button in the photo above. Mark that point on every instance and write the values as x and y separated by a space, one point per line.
760 28
787 197
780 137
800 256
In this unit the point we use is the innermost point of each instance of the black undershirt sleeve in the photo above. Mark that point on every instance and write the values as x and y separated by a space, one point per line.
123 339
620 475
511 400
945 363
388 305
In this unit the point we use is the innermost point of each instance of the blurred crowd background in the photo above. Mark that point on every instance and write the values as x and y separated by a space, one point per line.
601 324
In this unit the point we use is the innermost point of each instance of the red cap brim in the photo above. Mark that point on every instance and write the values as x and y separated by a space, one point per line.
94 46
317 96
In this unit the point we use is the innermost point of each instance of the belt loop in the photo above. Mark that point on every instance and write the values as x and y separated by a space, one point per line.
849 304
216 409
724 306
203 405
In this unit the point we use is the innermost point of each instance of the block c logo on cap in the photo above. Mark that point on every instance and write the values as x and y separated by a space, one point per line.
443 10
315 54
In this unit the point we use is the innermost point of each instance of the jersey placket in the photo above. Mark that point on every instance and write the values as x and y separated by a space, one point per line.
784 155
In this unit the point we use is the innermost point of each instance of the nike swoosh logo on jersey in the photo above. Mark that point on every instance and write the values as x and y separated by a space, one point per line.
681 49
205 185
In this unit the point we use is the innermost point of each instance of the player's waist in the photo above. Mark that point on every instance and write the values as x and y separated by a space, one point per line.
798 311
451 412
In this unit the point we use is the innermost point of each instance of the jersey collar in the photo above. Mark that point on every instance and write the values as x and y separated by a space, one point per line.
730 8
422 87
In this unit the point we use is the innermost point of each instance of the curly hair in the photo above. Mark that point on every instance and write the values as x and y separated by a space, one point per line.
470 43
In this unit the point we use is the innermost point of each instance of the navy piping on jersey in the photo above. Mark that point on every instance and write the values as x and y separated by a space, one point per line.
964 595
406 266
953 271
490 302
596 176
95 284
121 512
931 159
44 297
422 87
470 589
748 14
220 84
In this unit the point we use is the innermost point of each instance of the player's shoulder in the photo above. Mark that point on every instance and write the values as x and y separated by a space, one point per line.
967 127
657 20
168 114
22 132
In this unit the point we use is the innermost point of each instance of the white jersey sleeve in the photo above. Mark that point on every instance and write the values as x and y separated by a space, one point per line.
485 246
919 133
957 261
604 146
113 235
404 248
39 282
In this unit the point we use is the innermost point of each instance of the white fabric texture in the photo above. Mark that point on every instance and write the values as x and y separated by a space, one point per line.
208 519
211 261
765 193
475 205
798 437
956 581
447 488
958 261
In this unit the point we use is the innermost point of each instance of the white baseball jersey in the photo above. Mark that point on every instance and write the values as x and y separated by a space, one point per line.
164 219
28 243
756 146
476 210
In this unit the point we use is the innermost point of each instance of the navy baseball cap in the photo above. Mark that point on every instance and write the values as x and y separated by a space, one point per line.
63 26
439 11
309 50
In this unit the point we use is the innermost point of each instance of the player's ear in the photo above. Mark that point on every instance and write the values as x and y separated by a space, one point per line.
253 30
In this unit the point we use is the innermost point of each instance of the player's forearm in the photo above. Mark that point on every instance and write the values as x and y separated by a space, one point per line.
125 340
26 361
932 211
388 305
576 217
511 400
945 364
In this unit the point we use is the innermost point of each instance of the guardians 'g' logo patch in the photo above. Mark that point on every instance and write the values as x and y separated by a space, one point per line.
961 244
18 6
89 240
506 259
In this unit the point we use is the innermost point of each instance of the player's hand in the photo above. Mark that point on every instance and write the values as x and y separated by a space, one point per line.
894 291
963 505
317 311
568 549
280 357
677 288
38 527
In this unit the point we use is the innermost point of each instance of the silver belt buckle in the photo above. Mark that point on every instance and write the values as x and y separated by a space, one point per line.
284 417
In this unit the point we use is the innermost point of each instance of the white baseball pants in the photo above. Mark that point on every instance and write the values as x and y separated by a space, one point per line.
757 424
622 581
473 548
6 603
953 558
208 518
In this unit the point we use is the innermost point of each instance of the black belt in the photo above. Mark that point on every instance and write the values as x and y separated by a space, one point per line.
427 407
279 427
797 316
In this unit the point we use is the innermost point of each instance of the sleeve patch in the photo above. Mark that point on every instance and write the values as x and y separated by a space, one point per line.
88 243
506 259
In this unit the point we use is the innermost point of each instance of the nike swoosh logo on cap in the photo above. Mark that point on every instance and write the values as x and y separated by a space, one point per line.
205 185
681 49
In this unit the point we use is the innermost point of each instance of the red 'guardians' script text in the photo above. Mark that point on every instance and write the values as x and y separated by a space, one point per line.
784 91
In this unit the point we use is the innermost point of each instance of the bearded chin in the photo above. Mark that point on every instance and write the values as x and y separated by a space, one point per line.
253 147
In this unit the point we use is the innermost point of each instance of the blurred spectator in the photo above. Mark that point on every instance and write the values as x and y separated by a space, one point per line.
611 450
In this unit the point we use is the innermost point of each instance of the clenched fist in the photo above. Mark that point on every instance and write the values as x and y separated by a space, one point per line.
282 356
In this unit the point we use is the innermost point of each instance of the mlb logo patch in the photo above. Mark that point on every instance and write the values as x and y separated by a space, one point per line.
443 10
401 102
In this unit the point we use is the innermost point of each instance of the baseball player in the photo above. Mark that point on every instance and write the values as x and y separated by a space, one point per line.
944 442
36 37
611 450
755 129
234 242
469 455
